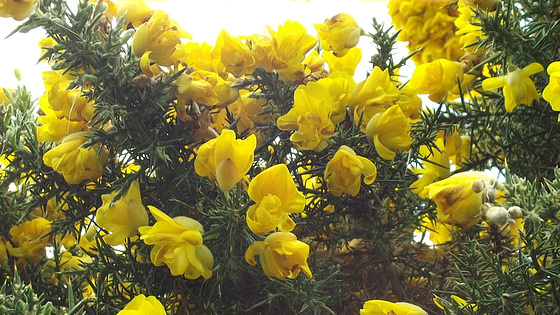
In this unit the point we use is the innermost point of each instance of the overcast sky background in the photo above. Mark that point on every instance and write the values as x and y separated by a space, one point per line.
203 20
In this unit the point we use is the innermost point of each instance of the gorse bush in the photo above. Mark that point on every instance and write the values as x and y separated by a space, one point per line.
160 175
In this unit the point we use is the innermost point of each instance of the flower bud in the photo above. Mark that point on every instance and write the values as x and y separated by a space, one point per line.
515 212
496 215
478 186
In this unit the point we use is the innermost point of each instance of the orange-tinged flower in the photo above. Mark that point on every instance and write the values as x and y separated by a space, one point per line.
281 255
382 307
310 116
390 132
276 196
29 240
459 198
74 162
235 56
344 172
518 87
551 92
225 159
17 9
122 217
290 44
141 305
339 34
178 244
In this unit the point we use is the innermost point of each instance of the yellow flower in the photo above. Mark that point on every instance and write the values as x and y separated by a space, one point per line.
4 246
347 63
437 78
459 197
136 13
435 165
390 132
178 244
4 100
70 104
373 96
518 87
156 41
122 217
310 116
17 9
440 233
225 159
281 255
74 162
340 86
53 127
276 196
29 239
344 171
235 56
203 87
141 305
458 301
290 44
469 32
427 25
551 92
339 34
246 110
199 56
262 50
381 307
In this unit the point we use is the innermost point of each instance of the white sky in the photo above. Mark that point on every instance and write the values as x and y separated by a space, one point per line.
203 20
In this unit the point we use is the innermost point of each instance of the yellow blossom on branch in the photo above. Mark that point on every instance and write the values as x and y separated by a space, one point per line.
347 63
518 87
310 116
382 307
225 159
459 197
281 255
551 92
17 9
143 305
234 55
135 13
178 244
122 217
344 172
290 44
29 239
276 196
438 79
373 96
390 132
339 34
74 162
